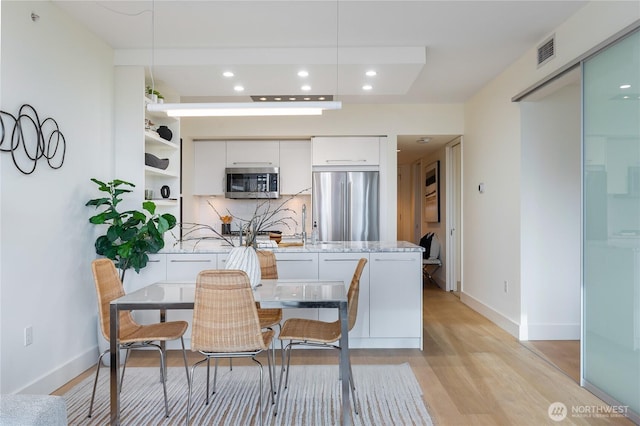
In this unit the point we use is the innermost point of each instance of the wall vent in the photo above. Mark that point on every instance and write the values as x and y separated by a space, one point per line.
547 50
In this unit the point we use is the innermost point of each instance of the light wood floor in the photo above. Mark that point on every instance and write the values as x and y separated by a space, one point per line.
471 371
563 354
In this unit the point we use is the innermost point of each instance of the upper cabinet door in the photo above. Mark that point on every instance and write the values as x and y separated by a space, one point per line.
346 151
253 153
209 159
295 167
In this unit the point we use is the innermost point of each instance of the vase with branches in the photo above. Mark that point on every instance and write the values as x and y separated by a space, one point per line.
265 216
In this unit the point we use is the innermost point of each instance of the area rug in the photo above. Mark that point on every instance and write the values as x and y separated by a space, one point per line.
387 395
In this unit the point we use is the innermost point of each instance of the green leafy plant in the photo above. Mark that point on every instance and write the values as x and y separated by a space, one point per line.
132 234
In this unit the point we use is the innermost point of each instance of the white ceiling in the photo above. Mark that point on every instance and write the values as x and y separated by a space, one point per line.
423 51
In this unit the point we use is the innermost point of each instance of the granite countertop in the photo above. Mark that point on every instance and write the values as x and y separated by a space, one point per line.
219 246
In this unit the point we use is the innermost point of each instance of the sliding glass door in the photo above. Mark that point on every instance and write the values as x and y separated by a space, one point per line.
611 206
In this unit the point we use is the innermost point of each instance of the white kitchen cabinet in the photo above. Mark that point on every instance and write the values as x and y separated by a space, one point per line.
186 266
298 266
345 151
341 266
295 167
395 295
209 161
264 153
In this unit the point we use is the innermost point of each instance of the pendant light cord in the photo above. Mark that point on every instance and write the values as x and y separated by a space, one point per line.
337 44
153 44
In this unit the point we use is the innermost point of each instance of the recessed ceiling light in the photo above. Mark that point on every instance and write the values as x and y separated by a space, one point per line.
227 74
367 87
424 140
306 88
303 73
625 86
625 97
238 88
371 73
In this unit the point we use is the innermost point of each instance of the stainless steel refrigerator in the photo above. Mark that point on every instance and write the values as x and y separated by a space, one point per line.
345 205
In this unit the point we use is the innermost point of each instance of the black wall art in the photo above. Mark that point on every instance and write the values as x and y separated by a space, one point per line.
432 192
30 140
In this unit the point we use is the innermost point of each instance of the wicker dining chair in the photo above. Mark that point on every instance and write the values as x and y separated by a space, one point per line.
269 317
310 332
131 334
226 325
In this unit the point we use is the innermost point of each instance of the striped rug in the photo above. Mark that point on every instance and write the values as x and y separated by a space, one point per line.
387 394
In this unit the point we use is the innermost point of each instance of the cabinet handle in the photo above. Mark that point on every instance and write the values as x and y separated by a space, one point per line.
253 162
295 260
341 260
153 261
394 260
190 261
347 161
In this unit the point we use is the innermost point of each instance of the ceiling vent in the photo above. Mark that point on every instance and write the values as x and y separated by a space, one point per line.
547 50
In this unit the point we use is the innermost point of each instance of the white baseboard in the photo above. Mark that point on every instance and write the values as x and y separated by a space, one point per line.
58 377
494 316
554 332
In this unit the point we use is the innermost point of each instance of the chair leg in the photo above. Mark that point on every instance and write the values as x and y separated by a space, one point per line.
186 364
353 390
259 389
208 378
95 382
164 380
124 366
215 375
287 355
272 367
193 370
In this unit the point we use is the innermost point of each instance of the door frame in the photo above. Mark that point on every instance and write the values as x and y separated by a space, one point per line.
453 251
416 170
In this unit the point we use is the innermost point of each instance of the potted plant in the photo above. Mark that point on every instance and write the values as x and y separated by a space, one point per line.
154 95
131 235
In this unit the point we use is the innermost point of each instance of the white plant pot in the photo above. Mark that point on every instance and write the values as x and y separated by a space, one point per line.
245 259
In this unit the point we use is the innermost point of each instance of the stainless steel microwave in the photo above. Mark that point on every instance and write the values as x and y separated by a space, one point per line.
252 182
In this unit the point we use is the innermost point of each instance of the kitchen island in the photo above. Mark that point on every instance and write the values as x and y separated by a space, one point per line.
390 302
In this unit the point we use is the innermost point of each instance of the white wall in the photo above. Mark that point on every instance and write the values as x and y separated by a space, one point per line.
492 153
65 72
550 212
389 120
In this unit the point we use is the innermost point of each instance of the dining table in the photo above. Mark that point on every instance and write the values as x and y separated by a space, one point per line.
290 293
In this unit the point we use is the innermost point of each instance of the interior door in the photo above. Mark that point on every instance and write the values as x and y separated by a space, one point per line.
454 217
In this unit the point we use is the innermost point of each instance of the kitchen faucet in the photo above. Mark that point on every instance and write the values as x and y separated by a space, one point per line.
304 222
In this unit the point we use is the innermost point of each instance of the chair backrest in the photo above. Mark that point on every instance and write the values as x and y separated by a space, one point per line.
225 317
431 245
108 288
434 250
354 293
268 267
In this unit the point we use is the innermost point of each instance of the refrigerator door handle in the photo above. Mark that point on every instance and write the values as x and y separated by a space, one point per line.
347 215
